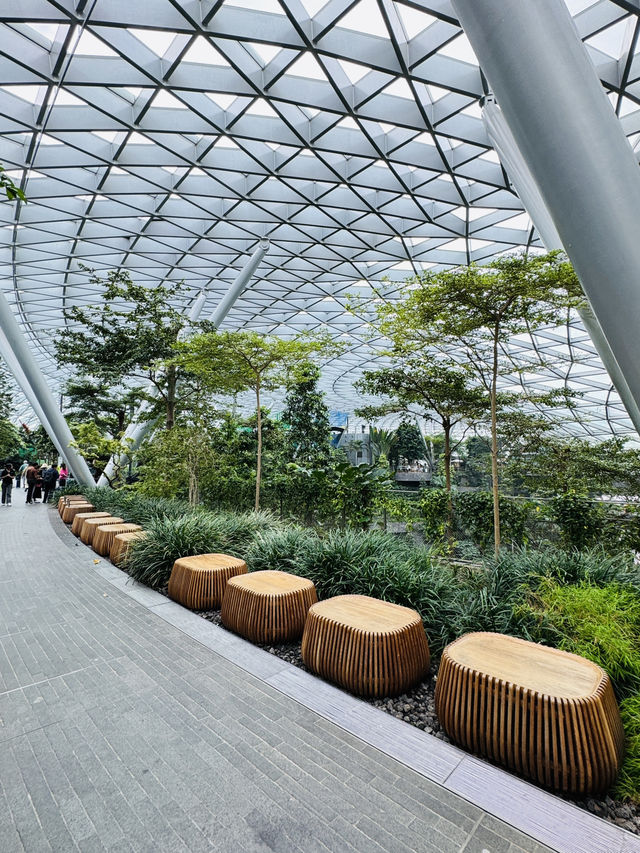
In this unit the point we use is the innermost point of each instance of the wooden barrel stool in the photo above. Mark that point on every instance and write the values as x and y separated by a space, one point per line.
367 646
69 512
199 582
122 544
267 607
66 500
90 526
105 534
81 517
548 715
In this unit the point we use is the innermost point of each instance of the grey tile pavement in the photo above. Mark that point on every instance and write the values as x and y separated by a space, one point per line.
127 723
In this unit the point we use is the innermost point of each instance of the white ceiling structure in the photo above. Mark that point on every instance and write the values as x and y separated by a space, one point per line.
170 136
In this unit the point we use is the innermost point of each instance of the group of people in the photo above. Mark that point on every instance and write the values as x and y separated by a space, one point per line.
38 481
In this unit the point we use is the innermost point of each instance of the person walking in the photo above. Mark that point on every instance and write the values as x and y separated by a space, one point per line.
20 479
6 476
49 480
31 477
63 476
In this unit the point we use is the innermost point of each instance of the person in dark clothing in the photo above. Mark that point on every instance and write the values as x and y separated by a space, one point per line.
49 480
31 476
6 476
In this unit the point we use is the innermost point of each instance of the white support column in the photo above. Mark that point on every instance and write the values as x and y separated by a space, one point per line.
529 194
242 280
137 429
576 150
30 376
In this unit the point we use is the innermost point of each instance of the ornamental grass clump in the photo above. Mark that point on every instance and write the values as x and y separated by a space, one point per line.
628 784
594 565
151 559
279 550
599 623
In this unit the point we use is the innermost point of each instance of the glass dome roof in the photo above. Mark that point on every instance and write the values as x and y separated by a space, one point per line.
171 136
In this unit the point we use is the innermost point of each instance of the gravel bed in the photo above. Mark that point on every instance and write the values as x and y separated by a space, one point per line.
417 707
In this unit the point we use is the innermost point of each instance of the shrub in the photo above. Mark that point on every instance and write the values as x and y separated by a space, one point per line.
629 779
580 519
278 550
151 560
434 511
474 517
594 565
599 623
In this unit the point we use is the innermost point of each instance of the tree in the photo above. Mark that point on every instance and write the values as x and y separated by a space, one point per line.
307 416
381 442
10 441
308 443
232 362
130 335
435 390
98 449
94 400
409 444
475 311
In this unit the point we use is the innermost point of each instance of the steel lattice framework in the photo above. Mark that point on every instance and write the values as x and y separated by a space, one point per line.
170 136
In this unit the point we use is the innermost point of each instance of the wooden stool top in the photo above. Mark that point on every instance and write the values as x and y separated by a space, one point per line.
124 527
208 562
539 669
271 582
364 613
103 522
132 536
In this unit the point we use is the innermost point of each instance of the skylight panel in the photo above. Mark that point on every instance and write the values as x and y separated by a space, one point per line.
64 98
165 99
521 220
225 142
263 108
256 5
354 71
313 6
220 99
107 135
45 139
31 94
266 52
138 139
414 21
460 48
90 45
400 88
365 17
49 31
306 65
202 51
157 41
612 39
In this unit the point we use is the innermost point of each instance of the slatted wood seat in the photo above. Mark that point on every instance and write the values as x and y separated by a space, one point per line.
199 582
91 525
267 607
105 534
546 714
65 500
367 646
122 544
78 521
70 511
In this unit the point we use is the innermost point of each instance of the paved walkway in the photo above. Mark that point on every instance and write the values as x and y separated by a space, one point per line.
119 731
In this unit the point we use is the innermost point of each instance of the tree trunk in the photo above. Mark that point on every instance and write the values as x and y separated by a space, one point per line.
259 458
446 425
494 446
171 397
